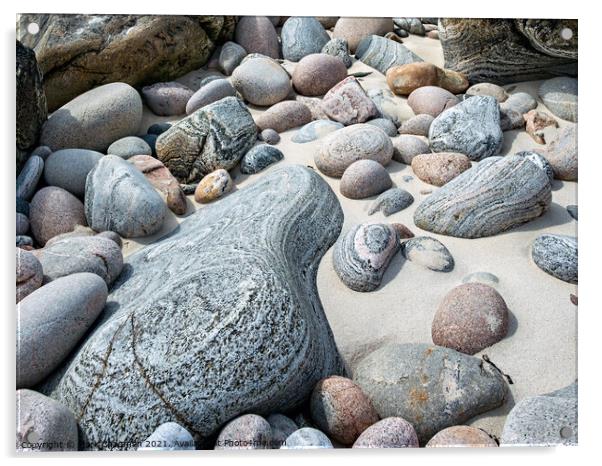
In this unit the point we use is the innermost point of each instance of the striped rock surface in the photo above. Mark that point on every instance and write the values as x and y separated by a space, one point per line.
381 53
493 196
557 255
220 318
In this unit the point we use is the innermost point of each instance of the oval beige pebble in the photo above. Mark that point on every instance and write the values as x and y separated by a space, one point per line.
213 186
284 116
493 90
317 73
461 436
363 179
439 168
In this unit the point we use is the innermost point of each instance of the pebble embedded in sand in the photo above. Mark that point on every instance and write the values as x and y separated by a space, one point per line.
439 168
557 255
364 178
247 432
261 81
306 438
315 130
490 89
213 186
431 100
406 147
391 201
259 158
169 436
418 125
284 116
428 252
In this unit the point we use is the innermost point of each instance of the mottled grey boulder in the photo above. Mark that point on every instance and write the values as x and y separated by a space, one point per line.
169 436
301 36
29 177
560 96
215 136
230 57
391 201
119 198
315 130
471 127
247 432
491 197
428 252
429 386
306 438
538 160
259 158
381 53
52 319
129 146
68 169
182 296
338 48
557 255
544 420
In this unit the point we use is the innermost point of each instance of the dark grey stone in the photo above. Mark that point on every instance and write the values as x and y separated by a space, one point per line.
129 146
259 158
282 426
24 240
151 140
22 224
556 255
158 128
428 252
68 169
230 57
381 53
411 25
391 201
269 136
301 36
338 48
29 177
573 211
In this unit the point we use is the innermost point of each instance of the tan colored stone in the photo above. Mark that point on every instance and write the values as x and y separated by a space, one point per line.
404 79
213 186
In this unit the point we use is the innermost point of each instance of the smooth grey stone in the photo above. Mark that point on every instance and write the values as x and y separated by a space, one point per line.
182 292
29 177
302 36
68 169
169 436
29 274
391 201
112 236
230 57
158 128
407 146
52 320
538 160
338 48
129 146
306 438
282 426
560 97
259 158
22 224
481 277
385 124
24 240
248 432
151 140
93 254
269 136
42 151
544 420
43 424
493 196
428 252
520 102
471 127
315 130
573 211
556 255
119 198
381 53
209 93
429 386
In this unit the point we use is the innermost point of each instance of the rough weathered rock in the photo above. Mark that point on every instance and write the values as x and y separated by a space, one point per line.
169 436
357 142
429 386
557 255
493 90
428 252
385 124
306 438
392 432
353 30
167 99
338 48
362 255
389 106
418 125
284 116
230 56
213 186
348 103
439 168
561 153
315 130
406 78
30 175
461 436
29 274
259 158
491 197
128 147
248 432
383 54
216 136
52 319
391 201
536 121
364 178
301 36
119 198
317 73
560 97
256 34
68 169
431 100
261 81
268 306
79 52
209 93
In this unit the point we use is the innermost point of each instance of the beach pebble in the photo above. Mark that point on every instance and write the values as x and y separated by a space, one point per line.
560 97
385 124
361 255
158 128
418 125
348 103
213 186
481 277
573 211
406 147
52 319
338 48
151 140
538 160
536 121
129 146
54 211
169 436
42 151
166 99
353 30
282 426
557 256
412 25
256 34
131 209
428 252
95 119
471 127
389 106
306 438
247 432
284 116
489 89
461 436
302 36
439 168
25 242
269 136
79 230
521 102
470 318
29 274
230 56
431 100
29 177
391 432
261 81
68 169
382 53
511 119
315 130
43 424
404 79
357 142
209 93
317 73
364 178
562 154
22 224
259 158
391 201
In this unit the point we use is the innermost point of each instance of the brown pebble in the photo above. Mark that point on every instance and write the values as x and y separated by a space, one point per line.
461 436
536 121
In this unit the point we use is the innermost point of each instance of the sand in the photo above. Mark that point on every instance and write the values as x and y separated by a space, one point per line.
539 352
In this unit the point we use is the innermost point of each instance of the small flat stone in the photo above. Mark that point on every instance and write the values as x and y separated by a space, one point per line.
428 252
29 177
364 178
439 168
391 201
269 136
431 100
306 438
261 81
315 130
169 436
560 97
385 124
493 90
29 273
392 432
248 432
259 158
209 93
556 255
68 169
166 99
348 103
562 154
461 436
301 36
418 125
284 116
213 186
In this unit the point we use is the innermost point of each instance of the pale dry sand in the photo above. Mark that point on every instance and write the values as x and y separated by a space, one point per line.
539 352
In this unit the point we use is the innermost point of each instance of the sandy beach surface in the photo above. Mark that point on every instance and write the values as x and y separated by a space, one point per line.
539 352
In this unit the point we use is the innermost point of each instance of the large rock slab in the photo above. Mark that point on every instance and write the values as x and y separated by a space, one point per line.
381 53
236 278
493 196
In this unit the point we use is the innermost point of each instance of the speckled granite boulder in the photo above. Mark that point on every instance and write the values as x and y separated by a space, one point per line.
256 34
268 304
461 436
361 256
119 198
348 103
561 153
211 92
338 48
382 54
353 30
315 130
306 438
216 136
68 169
284 116
29 274
391 201
431 100
420 383
560 97
556 255
469 205
167 99
471 127
301 36
259 158
406 147
248 432
30 175
392 432
439 168
169 436
428 252
261 81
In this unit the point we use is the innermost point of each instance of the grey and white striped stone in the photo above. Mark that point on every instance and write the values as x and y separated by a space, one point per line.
391 201
381 53
557 255
301 36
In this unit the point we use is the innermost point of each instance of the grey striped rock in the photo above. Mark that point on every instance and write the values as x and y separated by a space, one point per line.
385 124
306 438
348 103
169 436
560 97
209 93
29 274
391 201
364 178
420 383
230 57
169 301
491 197
428 252
52 319
362 255
68 169
261 81
471 127
338 48
282 426
557 255
315 130
248 432
216 136
538 160
381 53
259 158
301 36
119 198
29 177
